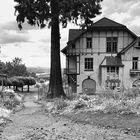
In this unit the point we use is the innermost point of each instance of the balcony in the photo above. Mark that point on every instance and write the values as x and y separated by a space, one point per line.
112 76
70 71
137 47
134 72
81 50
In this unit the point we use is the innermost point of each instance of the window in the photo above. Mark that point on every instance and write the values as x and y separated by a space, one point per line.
112 81
111 43
139 43
88 64
73 46
114 70
89 42
135 63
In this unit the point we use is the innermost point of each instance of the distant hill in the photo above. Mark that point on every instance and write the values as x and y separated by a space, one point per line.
38 69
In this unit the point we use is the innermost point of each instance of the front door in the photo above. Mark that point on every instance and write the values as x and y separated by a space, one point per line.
89 86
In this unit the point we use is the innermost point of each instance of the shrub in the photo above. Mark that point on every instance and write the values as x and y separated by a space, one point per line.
131 93
10 104
110 94
80 104
60 104
68 91
122 106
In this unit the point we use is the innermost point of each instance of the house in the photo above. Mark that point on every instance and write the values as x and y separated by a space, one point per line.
106 55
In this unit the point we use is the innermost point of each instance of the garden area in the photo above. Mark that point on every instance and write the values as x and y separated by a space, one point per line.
115 115
108 115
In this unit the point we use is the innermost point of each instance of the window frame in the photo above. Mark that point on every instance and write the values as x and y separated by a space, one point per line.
89 42
73 46
135 63
138 43
88 64
113 69
111 44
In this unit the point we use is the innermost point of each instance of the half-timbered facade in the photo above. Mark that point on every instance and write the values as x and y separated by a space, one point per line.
104 56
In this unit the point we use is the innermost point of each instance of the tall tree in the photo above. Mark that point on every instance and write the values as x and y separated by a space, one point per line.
51 13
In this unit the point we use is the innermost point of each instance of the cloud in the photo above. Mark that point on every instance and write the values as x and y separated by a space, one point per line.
12 25
123 11
136 30
7 37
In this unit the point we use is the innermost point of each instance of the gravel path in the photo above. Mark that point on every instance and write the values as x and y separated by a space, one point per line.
32 123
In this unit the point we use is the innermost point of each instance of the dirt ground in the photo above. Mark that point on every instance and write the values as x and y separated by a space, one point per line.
32 123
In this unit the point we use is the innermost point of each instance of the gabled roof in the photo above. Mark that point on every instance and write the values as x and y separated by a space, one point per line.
128 46
112 61
105 22
74 33
102 24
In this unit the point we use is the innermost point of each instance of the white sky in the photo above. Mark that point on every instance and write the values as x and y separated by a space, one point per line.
33 45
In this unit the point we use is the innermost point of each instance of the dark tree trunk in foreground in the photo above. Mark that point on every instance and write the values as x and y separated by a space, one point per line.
56 87
28 90
22 88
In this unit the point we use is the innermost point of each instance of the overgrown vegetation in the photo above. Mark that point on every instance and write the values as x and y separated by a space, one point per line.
108 101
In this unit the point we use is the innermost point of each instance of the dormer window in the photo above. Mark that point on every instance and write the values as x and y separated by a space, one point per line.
89 42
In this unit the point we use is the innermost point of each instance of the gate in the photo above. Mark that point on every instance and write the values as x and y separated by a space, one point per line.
89 86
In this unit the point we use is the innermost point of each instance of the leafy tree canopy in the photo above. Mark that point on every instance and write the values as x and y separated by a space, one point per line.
14 68
38 12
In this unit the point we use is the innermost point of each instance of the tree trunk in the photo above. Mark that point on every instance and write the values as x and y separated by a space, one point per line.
28 88
56 87
22 88
16 88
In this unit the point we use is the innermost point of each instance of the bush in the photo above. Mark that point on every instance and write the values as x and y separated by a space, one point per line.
110 94
130 93
68 91
10 104
80 104
60 104
122 106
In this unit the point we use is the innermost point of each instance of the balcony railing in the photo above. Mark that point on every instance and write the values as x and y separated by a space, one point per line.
137 47
134 72
70 71
81 50
112 76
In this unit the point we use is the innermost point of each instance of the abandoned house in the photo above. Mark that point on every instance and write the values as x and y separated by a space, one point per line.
106 55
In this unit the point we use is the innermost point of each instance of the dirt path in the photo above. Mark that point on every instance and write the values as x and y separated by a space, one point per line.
32 123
